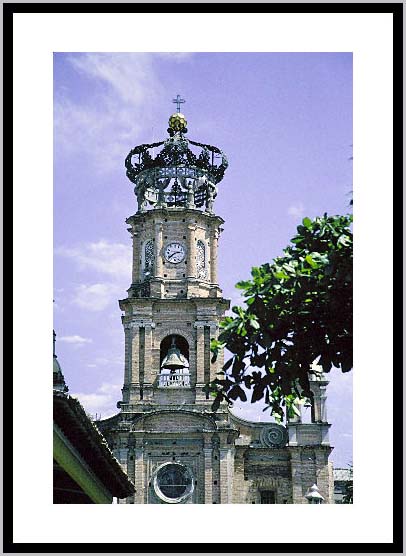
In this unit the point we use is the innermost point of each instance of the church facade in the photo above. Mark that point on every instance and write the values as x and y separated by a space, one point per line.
173 447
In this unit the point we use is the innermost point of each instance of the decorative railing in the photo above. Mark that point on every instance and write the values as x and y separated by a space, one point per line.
174 380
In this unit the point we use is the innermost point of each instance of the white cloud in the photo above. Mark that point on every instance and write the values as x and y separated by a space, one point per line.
108 360
77 340
109 116
96 297
103 401
296 210
107 258
176 56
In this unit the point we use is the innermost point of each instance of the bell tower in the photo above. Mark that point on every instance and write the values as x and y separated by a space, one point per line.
174 303
171 444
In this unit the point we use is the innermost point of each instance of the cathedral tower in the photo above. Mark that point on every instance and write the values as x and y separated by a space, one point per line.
166 437
172 446
174 303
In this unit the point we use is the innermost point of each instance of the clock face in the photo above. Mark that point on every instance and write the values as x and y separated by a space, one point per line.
174 252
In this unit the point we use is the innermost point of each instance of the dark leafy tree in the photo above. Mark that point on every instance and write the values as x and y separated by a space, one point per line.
299 309
348 494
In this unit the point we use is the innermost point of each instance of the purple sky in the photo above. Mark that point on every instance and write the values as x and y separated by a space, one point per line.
285 122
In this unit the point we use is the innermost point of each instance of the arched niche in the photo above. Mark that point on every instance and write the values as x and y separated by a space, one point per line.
181 343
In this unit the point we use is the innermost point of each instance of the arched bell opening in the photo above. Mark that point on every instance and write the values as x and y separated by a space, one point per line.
174 362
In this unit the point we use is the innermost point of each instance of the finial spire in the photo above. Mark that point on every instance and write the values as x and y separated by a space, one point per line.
178 101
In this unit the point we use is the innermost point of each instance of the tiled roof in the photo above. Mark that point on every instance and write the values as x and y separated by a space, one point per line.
71 418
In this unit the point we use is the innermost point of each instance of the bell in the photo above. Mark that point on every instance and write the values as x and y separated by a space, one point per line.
173 359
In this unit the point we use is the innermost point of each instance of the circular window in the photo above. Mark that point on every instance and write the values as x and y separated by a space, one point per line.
173 482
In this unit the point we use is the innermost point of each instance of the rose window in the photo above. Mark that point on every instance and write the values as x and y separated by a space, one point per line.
173 482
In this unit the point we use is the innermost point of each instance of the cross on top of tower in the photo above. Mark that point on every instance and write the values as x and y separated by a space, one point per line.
178 101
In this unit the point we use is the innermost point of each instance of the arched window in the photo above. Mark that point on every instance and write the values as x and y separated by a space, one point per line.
174 362
180 343
149 259
201 260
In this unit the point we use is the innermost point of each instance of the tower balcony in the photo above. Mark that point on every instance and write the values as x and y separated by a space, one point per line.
174 380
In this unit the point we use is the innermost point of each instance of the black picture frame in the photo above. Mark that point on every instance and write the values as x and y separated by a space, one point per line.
9 9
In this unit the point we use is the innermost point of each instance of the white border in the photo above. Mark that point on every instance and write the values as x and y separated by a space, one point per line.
36 36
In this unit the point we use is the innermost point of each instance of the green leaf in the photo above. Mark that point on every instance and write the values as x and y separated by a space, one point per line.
307 223
243 285
228 364
280 275
311 262
237 392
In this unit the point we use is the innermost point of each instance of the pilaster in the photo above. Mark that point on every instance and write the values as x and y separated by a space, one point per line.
135 353
131 471
323 474
199 353
136 255
158 249
208 470
296 471
226 475
191 251
140 487
213 256
148 370
127 354
213 335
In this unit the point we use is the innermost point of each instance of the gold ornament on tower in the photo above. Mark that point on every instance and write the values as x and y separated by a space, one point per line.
177 122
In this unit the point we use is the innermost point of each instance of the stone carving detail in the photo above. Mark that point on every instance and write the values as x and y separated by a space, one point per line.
274 436
149 259
201 260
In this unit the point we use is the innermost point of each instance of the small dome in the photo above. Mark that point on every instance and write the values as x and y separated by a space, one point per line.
59 380
177 122
57 367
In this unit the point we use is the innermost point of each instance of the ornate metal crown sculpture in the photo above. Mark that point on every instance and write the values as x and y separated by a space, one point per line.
177 176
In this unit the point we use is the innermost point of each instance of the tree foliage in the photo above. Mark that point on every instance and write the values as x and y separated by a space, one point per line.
298 309
348 494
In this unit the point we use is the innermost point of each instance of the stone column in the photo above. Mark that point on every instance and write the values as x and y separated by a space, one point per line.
296 468
318 386
136 255
226 476
127 354
199 352
135 353
208 471
213 366
213 256
216 471
131 471
292 431
139 480
158 250
323 475
323 405
148 371
191 251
